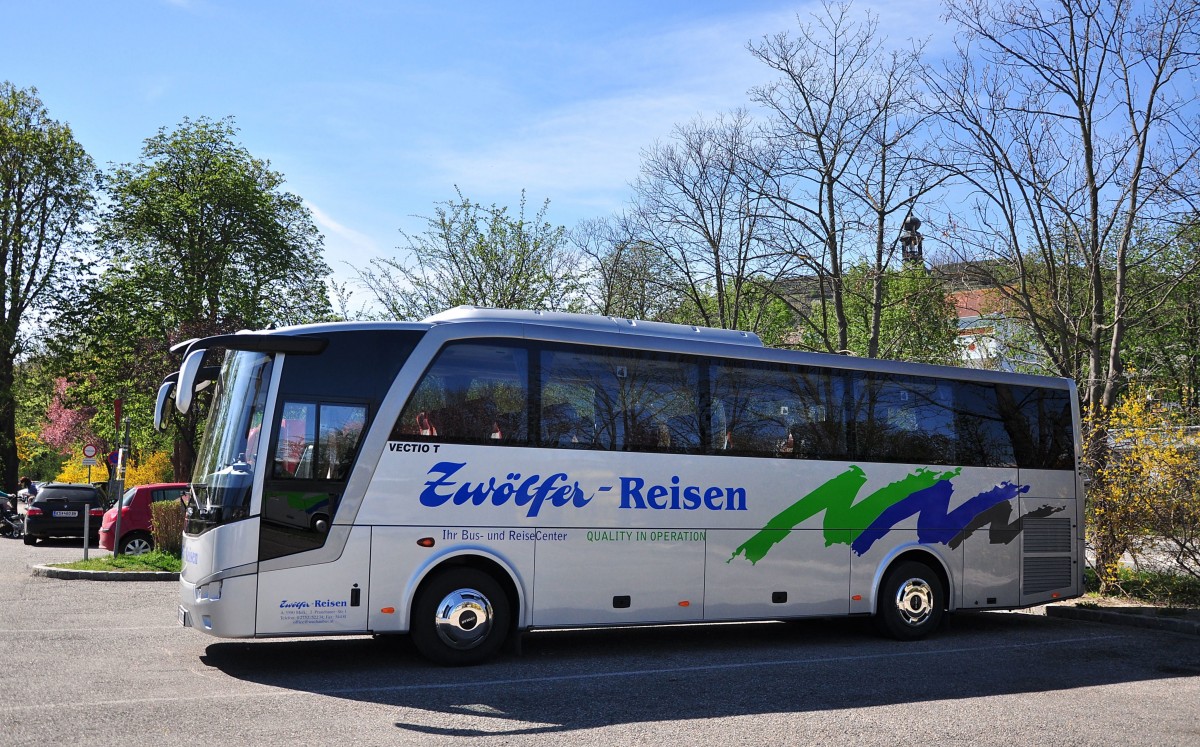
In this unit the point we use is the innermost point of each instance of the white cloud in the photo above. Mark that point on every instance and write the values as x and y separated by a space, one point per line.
347 244
583 153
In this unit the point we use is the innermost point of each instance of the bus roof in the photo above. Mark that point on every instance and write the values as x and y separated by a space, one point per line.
677 334
594 323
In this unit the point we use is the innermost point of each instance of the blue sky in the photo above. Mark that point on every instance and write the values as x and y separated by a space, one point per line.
374 111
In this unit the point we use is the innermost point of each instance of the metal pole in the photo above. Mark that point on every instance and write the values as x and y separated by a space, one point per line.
119 489
87 529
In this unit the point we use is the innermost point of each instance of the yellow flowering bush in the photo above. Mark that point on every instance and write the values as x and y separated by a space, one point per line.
149 468
74 471
1143 491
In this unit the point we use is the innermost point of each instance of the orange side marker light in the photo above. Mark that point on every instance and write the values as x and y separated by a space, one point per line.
685 603
388 610
425 542
856 598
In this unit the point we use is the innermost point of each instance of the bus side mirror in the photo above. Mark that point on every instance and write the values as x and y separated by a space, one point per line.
187 380
160 406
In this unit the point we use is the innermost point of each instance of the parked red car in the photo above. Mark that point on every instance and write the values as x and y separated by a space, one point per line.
135 517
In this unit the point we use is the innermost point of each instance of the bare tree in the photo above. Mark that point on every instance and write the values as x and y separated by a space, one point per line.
847 122
623 276
700 204
1074 123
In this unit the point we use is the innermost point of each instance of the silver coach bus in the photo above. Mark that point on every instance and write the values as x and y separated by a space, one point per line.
483 472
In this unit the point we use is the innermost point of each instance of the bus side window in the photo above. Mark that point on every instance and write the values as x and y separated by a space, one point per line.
293 451
341 428
905 419
473 393
618 400
318 442
767 410
1040 425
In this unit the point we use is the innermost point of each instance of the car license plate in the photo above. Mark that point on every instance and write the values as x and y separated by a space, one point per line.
184 619
64 514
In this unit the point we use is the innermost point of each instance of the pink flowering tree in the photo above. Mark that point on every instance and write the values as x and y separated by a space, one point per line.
67 428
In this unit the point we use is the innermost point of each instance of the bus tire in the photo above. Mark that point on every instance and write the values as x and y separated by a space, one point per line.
912 601
460 617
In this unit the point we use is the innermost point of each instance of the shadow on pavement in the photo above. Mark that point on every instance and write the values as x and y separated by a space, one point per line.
583 679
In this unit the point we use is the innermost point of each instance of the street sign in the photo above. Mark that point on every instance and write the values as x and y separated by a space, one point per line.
90 462
90 451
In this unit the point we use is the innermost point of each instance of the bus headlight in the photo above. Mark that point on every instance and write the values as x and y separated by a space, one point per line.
208 592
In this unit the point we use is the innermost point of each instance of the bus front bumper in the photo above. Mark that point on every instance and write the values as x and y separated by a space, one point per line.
224 608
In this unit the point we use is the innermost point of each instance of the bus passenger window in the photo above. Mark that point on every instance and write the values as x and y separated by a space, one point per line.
1040 425
904 419
768 410
634 402
473 393
341 429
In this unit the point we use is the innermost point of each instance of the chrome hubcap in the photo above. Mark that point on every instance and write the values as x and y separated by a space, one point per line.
463 619
914 601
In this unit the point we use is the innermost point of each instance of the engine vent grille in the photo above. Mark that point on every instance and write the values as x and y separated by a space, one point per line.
1047 535
1045 574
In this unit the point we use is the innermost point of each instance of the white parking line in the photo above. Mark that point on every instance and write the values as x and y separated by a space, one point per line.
5 632
265 690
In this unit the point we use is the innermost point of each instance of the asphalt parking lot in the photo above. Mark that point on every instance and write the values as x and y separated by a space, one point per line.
92 662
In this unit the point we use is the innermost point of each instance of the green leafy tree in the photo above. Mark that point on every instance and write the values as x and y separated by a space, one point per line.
481 256
914 319
45 198
199 238
1164 351
34 391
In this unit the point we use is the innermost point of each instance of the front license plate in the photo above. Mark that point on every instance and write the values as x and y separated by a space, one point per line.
184 619
64 514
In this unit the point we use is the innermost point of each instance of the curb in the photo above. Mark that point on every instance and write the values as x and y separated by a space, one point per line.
50 571
1136 617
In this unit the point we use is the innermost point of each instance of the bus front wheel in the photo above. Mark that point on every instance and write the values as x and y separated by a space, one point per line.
461 616
912 601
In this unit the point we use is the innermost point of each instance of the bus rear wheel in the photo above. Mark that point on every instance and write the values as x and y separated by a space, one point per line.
912 601
461 616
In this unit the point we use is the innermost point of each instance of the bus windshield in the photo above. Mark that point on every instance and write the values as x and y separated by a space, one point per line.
228 451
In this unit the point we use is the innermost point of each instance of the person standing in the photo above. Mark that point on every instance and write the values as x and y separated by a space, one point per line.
29 488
